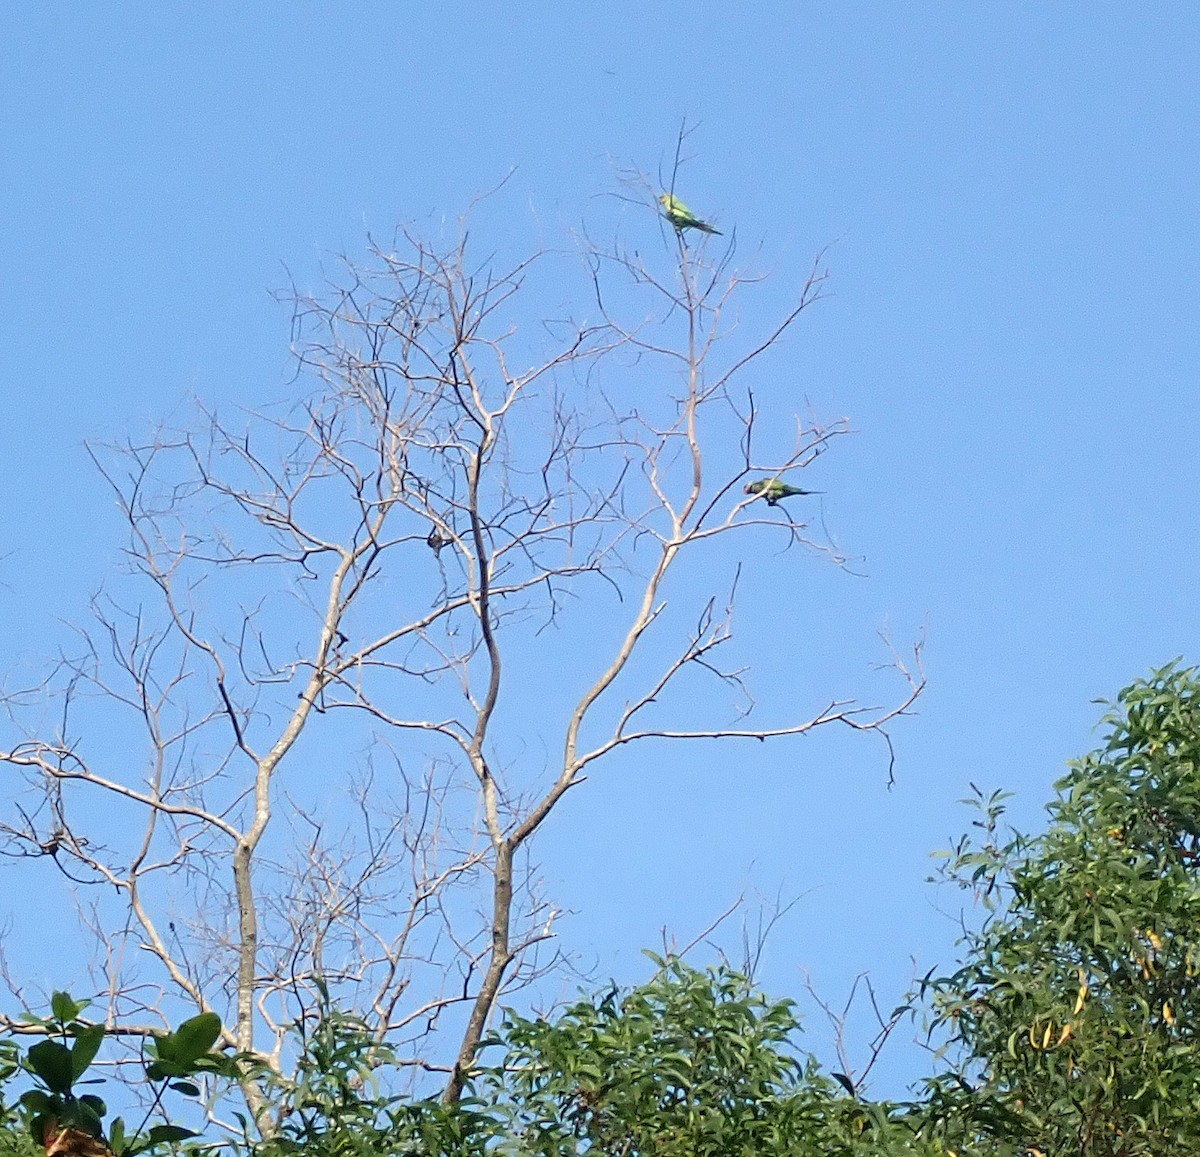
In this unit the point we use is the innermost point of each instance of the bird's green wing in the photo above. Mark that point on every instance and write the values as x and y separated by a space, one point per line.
681 216
675 207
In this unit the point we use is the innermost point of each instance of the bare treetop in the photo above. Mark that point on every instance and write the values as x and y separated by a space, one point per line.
299 744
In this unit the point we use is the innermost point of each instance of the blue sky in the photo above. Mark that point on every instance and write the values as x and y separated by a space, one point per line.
1009 192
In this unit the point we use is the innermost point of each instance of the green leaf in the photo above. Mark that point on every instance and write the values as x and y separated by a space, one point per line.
186 1088
164 1070
64 1008
83 1050
196 1036
87 1113
166 1047
52 1062
36 1101
230 1066
845 1082
159 1133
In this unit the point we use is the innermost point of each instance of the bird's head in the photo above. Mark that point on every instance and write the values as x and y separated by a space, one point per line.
664 199
750 488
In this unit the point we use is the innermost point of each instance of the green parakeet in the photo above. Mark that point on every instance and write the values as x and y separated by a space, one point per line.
773 490
681 216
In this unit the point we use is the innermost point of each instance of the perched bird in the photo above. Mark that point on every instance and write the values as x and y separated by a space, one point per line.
681 216
773 490
435 541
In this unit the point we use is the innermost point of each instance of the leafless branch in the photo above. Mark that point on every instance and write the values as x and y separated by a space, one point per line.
293 746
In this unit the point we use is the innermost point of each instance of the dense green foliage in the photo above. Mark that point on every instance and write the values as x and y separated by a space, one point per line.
15 1141
692 1064
52 1114
1068 1027
1072 1019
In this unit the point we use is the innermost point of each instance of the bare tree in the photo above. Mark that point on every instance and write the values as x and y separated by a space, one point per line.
368 644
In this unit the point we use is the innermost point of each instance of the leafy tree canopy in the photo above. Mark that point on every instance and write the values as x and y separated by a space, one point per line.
1067 1028
1071 1023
